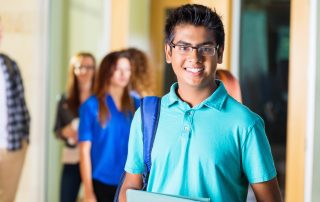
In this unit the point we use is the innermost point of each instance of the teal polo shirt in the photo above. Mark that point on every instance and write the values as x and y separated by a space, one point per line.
212 150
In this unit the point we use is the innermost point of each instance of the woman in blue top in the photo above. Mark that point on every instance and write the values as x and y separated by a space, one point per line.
105 120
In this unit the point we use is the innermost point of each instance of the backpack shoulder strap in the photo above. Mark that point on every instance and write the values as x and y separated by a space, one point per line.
150 112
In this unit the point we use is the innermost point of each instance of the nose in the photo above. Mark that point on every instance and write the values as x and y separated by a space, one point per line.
195 55
83 70
122 72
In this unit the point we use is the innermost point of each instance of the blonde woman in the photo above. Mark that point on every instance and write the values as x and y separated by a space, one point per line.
79 88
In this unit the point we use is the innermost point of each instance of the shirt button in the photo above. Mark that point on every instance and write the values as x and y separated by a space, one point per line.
186 128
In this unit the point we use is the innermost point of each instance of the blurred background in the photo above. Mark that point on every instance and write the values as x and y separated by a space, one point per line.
272 47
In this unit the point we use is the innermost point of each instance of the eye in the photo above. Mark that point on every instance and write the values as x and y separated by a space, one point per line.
184 48
207 49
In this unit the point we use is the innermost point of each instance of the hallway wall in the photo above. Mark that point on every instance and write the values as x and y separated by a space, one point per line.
75 25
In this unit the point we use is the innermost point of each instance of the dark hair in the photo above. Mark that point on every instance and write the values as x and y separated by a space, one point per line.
197 15
103 78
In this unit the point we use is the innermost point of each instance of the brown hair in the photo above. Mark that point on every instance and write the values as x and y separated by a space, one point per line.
230 82
141 72
104 75
72 92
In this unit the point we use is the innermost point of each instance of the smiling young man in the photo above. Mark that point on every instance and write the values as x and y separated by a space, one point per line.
207 144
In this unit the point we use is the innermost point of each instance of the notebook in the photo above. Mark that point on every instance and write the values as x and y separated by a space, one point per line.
143 196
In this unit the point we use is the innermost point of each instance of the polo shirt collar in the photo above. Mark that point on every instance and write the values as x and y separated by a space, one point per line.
173 97
215 100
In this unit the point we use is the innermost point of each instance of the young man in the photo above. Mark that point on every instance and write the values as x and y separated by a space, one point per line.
207 144
14 127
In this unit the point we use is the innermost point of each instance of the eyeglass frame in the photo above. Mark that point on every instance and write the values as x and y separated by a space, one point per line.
198 48
80 69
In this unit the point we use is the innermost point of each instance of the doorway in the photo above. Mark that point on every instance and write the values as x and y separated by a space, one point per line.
263 70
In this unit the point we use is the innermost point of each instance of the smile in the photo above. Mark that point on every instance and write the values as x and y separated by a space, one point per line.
194 70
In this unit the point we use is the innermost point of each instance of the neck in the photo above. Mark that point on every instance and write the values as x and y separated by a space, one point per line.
85 91
116 93
195 95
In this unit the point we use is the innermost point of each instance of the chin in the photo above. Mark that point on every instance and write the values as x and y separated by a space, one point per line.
122 85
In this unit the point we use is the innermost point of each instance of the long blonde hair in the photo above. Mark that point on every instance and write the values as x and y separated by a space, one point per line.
72 91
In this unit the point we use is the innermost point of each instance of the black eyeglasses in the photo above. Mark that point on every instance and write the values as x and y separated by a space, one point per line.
204 50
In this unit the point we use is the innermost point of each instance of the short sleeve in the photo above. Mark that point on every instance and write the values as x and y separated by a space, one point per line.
135 164
256 155
87 118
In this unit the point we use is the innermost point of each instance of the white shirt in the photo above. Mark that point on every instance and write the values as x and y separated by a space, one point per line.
3 108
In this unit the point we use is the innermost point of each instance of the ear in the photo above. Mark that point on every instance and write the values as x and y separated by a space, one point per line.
220 54
167 50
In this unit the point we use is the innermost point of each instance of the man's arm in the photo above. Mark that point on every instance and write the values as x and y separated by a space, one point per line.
267 191
131 181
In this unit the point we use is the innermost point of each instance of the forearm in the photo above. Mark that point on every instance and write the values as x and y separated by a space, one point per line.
59 134
267 191
85 168
131 181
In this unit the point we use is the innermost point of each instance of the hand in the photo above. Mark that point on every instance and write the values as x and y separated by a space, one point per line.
72 141
69 132
90 198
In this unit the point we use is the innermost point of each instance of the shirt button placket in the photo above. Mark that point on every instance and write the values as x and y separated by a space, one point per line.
187 124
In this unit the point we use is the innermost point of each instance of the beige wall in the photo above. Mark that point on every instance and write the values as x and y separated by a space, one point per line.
303 109
119 24
139 24
297 116
25 41
85 27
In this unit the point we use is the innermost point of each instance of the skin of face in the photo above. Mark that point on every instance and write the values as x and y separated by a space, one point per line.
121 75
86 72
193 70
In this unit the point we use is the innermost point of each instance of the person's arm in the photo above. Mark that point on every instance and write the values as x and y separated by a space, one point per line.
134 165
70 132
131 181
267 191
85 169
63 126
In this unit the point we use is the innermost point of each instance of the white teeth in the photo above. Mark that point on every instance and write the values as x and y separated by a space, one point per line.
194 70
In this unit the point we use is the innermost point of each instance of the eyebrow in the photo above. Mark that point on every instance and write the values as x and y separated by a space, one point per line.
200 44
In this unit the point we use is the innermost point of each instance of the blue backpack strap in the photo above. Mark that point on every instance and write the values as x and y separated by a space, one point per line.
150 112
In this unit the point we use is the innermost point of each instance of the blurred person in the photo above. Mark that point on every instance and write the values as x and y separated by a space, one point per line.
79 88
14 126
230 83
207 144
105 120
141 73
